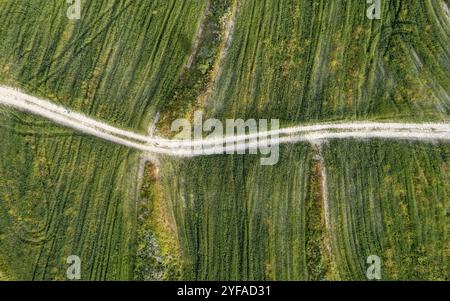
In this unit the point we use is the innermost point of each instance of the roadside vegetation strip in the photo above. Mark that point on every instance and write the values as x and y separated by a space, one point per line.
308 133
21 100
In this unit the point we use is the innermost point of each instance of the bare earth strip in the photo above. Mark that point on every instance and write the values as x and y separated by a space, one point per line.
311 133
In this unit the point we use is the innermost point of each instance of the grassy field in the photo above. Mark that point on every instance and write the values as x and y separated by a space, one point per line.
225 217
63 194
117 63
308 61
325 60
242 221
390 200
246 222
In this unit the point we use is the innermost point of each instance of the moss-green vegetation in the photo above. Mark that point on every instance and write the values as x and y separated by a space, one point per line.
317 61
239 220
225 217
158 251
325 60
391 200
317 248
3 274
61 193
3 277
117 63
202 66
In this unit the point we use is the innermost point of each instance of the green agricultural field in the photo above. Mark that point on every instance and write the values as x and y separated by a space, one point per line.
315 215
247 222
62 194
243 221
325 60
117 63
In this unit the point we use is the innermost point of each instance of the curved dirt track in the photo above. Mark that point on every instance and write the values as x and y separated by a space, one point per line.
310 133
